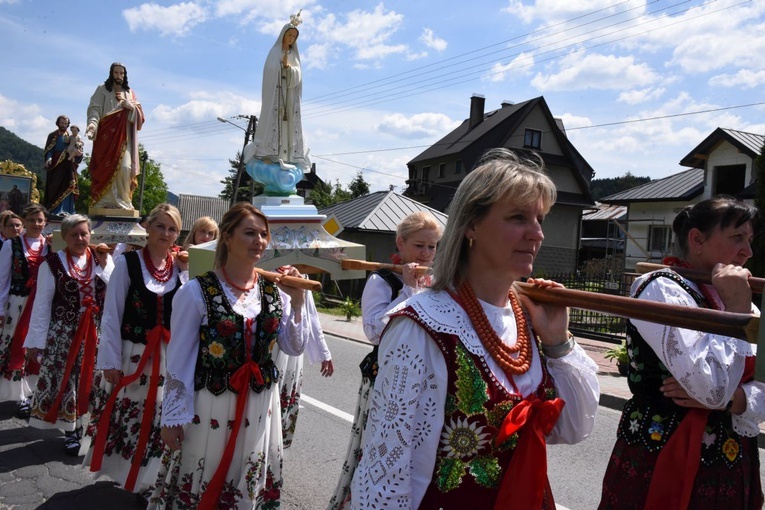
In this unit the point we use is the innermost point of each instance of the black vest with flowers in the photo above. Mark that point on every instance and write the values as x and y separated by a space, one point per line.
19 269
142 305
469 466
221 340
649 418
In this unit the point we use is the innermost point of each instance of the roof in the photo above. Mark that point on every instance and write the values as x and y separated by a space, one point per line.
749 143
680 187
605 212
196 206
380 211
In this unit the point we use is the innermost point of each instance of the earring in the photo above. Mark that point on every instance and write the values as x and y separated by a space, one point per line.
470 242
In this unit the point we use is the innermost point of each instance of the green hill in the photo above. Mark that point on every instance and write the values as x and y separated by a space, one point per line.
20 151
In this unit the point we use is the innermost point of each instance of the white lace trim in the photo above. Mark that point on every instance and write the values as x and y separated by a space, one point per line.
177 404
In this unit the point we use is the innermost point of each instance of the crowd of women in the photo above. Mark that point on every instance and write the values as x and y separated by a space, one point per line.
185 390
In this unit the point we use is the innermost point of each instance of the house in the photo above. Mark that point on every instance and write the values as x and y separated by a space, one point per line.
721 164
435 174
372 220
309 182
192 207
603 232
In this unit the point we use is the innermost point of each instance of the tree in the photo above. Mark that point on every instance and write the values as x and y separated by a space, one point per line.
323 194
154 187
358 186
243 192
757 262
604 187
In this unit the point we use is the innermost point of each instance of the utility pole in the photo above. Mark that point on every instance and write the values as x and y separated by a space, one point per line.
248 134
144 158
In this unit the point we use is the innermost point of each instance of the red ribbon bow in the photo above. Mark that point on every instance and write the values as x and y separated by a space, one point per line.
525 481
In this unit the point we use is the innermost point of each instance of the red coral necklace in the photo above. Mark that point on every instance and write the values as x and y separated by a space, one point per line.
161 275
501 352
34 253
81 275
237 287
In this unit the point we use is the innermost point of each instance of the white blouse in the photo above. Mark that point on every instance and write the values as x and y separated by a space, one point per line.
110 340
316 349
375 303
406 416
189 314
709 367
6 259
37 336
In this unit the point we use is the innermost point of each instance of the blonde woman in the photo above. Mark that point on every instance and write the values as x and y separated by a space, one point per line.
204 230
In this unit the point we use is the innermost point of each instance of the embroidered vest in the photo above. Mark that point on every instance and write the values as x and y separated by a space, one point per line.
142 306
19 269
65 309
649 418
369 366
469 466
221 340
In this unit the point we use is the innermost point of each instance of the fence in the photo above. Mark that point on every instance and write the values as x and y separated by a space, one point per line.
591 324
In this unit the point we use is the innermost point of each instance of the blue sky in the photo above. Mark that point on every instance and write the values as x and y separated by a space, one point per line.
382 81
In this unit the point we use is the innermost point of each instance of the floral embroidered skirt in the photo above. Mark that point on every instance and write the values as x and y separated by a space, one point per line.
291 368
49 384
14 384
341 496
719 487
254 477
125 422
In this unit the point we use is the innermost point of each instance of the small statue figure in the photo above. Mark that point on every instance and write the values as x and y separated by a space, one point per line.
75 143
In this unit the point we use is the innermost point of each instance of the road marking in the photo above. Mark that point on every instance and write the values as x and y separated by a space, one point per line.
326 407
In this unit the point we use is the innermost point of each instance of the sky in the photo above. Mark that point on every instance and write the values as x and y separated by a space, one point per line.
637 83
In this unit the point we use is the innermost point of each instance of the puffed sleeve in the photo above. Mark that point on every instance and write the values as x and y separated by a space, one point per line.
37 335
105 273
292 335
110 341
708 366
189 313
576 382
316 349
375 303
406 416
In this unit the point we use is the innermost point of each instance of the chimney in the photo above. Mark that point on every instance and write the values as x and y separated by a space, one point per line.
506 103
477 102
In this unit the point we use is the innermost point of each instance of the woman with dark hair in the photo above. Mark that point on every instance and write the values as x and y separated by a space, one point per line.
688 436
221 403
417 237
469 390
134 333
71 286
20 259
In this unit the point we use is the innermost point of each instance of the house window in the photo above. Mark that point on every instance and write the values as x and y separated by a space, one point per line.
458 167
426 174
413 174
659 237
729 179
532 139
441 170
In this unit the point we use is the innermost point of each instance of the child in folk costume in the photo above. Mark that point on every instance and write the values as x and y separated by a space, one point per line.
71 285
221 404
134 333
417 238
19 261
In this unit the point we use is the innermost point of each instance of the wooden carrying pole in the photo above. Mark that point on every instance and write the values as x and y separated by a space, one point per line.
697 275
374 266
739 325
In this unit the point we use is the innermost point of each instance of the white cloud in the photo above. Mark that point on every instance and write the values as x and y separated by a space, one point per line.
204 107
420 125
554 9
571 121
596 71
744 78
520 66
638 96
316 56
429 39
174 20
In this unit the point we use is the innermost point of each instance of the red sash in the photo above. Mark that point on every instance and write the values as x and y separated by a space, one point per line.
240 381
85 334
521 487
154 339
18 352
682 454
108 147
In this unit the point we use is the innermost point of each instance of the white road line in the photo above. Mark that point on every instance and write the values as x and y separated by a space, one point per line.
326 407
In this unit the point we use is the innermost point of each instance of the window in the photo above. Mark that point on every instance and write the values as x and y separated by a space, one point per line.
729 179
532 139
659 237
458 167
426 174
441 170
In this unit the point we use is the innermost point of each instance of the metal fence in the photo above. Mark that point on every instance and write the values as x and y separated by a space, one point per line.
591 324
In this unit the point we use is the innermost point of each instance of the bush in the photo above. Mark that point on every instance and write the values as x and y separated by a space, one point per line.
351 308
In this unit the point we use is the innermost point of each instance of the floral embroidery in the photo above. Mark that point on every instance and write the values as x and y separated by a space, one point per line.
471 389
656 430
226 327
214 423
730 449
216 350
463 439
634 427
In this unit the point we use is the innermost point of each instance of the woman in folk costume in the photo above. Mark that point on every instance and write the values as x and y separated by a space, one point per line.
469 390
417 236
19 262
63 332
279 137
11 225
221 404
135 330
204 230
291 368
688 436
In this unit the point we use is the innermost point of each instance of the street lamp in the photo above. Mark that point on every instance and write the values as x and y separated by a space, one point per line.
247 132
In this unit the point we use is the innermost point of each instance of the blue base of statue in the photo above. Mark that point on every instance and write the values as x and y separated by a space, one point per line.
279 179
